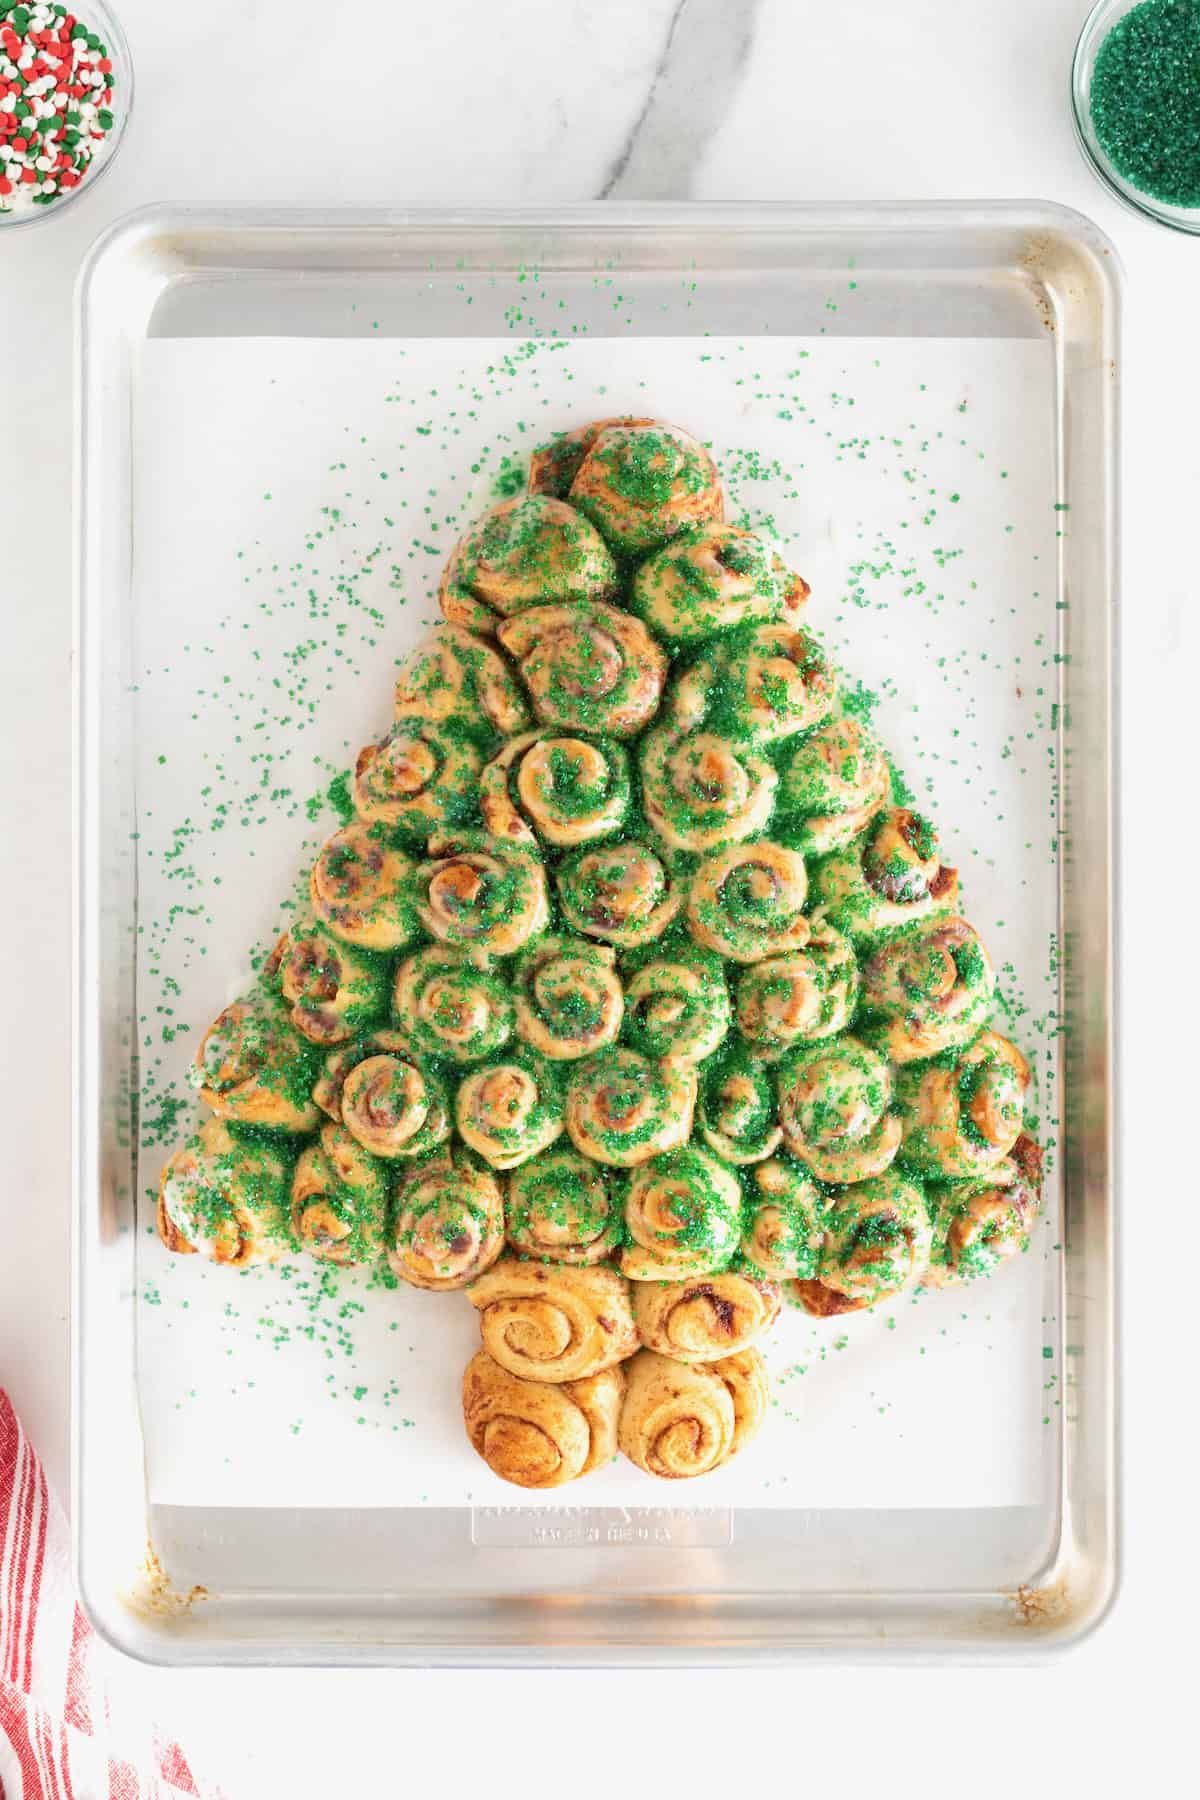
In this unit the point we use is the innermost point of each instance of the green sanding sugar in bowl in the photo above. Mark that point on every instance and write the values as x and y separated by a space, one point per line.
1145 99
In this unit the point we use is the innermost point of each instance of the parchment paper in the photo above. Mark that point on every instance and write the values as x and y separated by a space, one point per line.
294 502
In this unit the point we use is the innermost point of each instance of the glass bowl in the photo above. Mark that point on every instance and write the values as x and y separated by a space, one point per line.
1097 26
99 18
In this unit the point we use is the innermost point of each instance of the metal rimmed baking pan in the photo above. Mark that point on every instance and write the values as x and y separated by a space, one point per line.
442 1585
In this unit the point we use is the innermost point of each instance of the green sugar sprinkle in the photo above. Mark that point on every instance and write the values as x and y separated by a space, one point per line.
1145 99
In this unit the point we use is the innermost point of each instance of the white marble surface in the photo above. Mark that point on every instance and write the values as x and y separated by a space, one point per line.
458 100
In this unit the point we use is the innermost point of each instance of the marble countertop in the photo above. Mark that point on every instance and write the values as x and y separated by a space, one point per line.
454 101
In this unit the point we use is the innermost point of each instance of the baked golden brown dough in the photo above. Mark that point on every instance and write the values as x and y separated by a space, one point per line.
623 1109
252 1067
481 893
225 1197
712 581
680 1419
589 668
835 1109
455 677
876 1241
702 791
981 1223
762 685
783 1228
421 776
552 1322
644 483
361 888
511 1108
569 1001
625 893
962 1119
833 786
331 989
707 1317
339 1199
449 1007
389 1097
682 1216
448 1224
888 880
559 788
561 1207
934 988
784 1001
536 1435
747 902
524 552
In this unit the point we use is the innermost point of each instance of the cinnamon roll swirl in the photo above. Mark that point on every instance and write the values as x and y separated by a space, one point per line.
979 1224
448 1224
225 1197
876 1242
420 777
677 1005
561 1208
765 684
536 1435
454 677
833 786
524 552
888 880
961 1118
390 1098
339 1200
681 1419
361 889
683 1217
701 791
736 1110
835 1108
481 893
783 1235
587 668
449 1007
331 989
643 484
933 991
711 582
569 1002
707 1317
552 1322
554 465
747 903
563 790
253 1068
625 893
808 994
511 1109
623 1109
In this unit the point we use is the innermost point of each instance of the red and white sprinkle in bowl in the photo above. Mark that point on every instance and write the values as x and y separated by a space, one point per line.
66 91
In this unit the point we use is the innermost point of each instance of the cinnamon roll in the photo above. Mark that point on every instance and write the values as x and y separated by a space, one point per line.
795 999
554 465
448 1224
834 1106
623 1109
536 1435
701 791
252 1067
511 1109
552 1322
684 1419
626 893
736 1109
961 1118
876 1242
454 677
563 790
683 1217
707 1317
568 997
448 1007
225 1197
389 1097
712 581
481 893
833 786
560 1207
339 1200
420 777
933 990
888 880
587 668
768 683
979 1224
643 484
331 989
783 1235
677 1005
747 902
524 552
361 889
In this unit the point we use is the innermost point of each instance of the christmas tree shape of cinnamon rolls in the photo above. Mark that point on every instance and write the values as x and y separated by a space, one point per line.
631 1000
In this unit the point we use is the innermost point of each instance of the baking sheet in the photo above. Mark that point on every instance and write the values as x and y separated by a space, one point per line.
293 504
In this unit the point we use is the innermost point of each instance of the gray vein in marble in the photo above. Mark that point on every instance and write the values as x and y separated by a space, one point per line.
690 92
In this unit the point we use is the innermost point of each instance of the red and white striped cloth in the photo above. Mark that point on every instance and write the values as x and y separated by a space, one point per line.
66 1732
